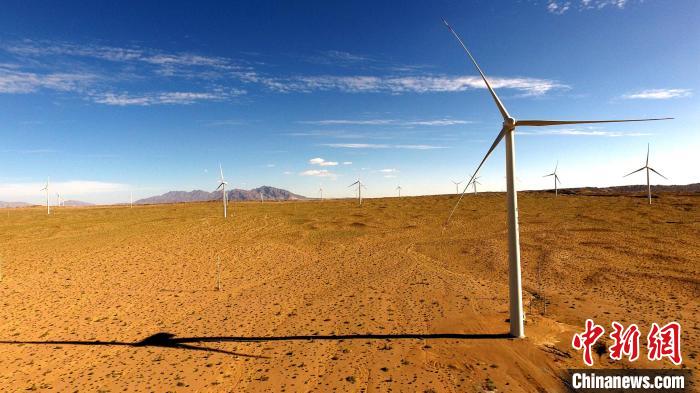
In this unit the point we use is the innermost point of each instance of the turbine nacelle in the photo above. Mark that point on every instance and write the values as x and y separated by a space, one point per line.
509 123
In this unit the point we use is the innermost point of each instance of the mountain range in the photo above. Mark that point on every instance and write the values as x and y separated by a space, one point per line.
268 193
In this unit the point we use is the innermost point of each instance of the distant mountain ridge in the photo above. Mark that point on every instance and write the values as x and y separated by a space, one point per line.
14 204
269 193
616 190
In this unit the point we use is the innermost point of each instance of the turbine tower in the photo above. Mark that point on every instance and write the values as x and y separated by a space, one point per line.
508 133
556 179
360 186
46 188
648 168
399 188
222 186
457 183
131 199
320 191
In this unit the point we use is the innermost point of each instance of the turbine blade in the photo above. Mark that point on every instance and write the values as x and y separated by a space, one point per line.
497 100
354 183
219 187
640 169
551 174
556 166
221 171
556 178
647 154
488 153
539 123
653 170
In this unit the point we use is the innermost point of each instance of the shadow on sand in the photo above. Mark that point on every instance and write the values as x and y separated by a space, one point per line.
169 340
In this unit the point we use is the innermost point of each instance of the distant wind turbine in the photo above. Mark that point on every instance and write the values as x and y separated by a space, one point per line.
457 183
46 188
58 199
508 132
556 179
475 182
648 168
320 191
131 199
360 186
222 186
399 188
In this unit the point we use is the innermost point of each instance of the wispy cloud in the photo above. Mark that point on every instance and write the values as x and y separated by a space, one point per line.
559 7
321 162
17 82
658 94
388 170
164 98
381 146
347 162
583 132
386 122
318 173
409 84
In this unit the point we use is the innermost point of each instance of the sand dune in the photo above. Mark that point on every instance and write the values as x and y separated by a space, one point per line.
325 295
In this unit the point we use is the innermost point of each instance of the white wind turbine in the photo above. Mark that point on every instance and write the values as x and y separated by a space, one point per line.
360 186
46 188
58 199
131 199
556 179
508 132
399 189
648 168
457 183
475 182
222 186
320 191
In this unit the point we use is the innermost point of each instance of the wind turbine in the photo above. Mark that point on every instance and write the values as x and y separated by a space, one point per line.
457 185
474 183
46 188
58 199
320 191
648 168
360 186
508 133
556 179
222 186
131 199
399 188
261 196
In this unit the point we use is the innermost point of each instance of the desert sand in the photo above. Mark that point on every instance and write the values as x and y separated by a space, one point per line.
328 296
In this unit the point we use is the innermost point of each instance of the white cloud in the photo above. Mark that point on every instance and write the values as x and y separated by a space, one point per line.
286 173
17 82
163 98
347 162
559 7
409 84
658 94
270 165
583 132
387 122
381 146
318 173
321 162
389 170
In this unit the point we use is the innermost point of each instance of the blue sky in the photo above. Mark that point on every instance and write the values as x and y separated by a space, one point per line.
108 99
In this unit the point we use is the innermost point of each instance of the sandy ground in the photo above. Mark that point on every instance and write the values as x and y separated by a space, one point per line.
326 296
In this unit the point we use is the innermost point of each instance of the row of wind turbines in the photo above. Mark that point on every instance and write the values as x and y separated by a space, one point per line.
557 182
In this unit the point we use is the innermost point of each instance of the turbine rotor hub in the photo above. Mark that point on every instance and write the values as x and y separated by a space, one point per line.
509 123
